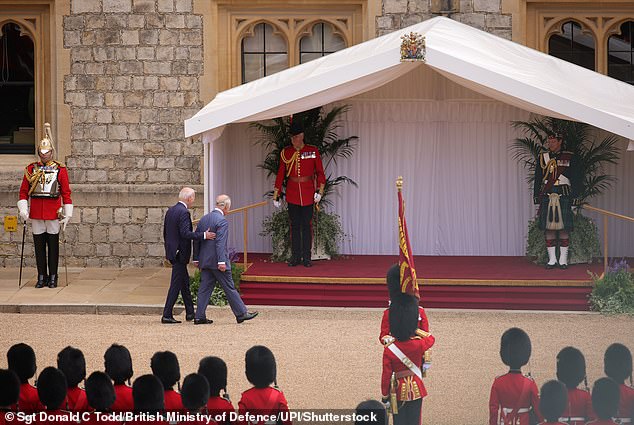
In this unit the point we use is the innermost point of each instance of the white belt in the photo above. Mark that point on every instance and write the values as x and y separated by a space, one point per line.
623 420
568 420
508 410
562 181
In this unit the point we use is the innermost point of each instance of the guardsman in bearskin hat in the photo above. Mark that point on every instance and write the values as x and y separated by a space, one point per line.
118 365
557 187
513 395
9 391
147 392
21 360
215 370
51 387
605 401
164 365
100 396
45 182
401 378
571 370
262 399
72 363
300 167
195 394
617 364
553 401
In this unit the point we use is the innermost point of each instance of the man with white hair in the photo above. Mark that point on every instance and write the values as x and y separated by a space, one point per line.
212 258
178 236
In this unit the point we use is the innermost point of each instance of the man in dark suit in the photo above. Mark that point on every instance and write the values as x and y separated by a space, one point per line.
212 259
177 234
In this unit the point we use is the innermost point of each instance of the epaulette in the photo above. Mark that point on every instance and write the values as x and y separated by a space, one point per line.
59 164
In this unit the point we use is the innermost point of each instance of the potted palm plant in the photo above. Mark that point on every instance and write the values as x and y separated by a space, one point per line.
320 130
593 154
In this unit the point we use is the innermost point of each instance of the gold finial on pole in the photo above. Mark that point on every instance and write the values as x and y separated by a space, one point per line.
399 183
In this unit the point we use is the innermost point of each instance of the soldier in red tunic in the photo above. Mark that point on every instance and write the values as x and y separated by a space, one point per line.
45 182
118 364
215 370
21 360
605 401
571 370
100 395
9 393
51 388
195 394
164 365
149 403
617 364
513 395
557 187
553 402
72 363
300 167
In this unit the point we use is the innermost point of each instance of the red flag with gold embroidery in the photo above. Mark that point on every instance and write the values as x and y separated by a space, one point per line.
409 284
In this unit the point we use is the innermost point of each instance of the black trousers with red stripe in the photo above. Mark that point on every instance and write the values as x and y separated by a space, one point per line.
301 231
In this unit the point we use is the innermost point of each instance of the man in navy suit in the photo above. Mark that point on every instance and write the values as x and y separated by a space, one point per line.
178 235
211 256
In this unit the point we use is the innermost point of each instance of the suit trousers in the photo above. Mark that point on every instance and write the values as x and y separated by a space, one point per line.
208 279
179 283
301 232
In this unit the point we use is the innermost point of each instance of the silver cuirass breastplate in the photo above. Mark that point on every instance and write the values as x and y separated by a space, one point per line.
47 186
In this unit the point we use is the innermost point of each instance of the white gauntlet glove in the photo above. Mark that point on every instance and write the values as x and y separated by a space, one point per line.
68 214
317 197
276 203
23 208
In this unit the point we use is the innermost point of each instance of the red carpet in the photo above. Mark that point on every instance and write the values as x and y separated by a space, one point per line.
445 282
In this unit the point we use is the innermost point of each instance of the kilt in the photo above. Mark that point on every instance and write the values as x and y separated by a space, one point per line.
565 203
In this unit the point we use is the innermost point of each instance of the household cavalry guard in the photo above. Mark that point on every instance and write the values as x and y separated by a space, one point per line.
46 184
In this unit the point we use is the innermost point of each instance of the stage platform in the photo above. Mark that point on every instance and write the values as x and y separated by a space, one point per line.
507 283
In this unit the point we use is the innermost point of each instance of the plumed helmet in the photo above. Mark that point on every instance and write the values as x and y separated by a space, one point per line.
100 391
571 367
45 146
260 366
9 388
617 362
195 391
403 317
215 370
72 363
553 400
51 388
605 398
21 360
164 365
515 348
148 394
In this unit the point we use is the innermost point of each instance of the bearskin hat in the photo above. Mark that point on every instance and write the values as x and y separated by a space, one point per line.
617 363
215 370
165 367
369 407
148 394
260 366
9 388
403 317
571 367
553 400
515 348
118 363
100 391
296 126
51 388
195 392
393 280
21 360
72 363
605 398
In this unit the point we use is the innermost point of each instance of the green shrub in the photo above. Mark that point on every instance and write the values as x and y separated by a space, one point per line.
614 292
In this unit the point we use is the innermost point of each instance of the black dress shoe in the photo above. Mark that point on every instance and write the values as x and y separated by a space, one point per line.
246 316
203 321
41 281
189 317
52 281
550 266
563 266
293 263
307 263
169 320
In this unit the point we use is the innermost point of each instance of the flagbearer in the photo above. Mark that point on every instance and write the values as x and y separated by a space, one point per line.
46 183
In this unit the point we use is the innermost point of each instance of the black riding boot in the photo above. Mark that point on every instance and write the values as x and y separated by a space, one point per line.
53 258
39 241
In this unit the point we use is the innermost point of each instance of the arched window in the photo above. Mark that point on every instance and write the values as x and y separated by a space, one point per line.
263 53
573 45
621 54
17 91
322 42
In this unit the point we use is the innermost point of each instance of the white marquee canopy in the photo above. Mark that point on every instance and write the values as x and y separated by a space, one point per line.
482 62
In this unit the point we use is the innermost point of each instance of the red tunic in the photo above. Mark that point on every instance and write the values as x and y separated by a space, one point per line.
423 322
123 399
173 401
409 386
626 402
46 208
217 406
303 165
511 393
263 401
29 399
76 400
579 410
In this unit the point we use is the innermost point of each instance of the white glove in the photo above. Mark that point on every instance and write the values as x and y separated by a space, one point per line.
23 208
317 197
276 203
68 214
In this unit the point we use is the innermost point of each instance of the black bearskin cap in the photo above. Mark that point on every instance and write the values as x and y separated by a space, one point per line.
51 388
260 366
9 388
148 394
118 363
165 367
369 407
571 367
553 400
605 398
393 280
215 370
21 360
296 127
100 391
515 348
72 363
617 362
195 392
403 317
